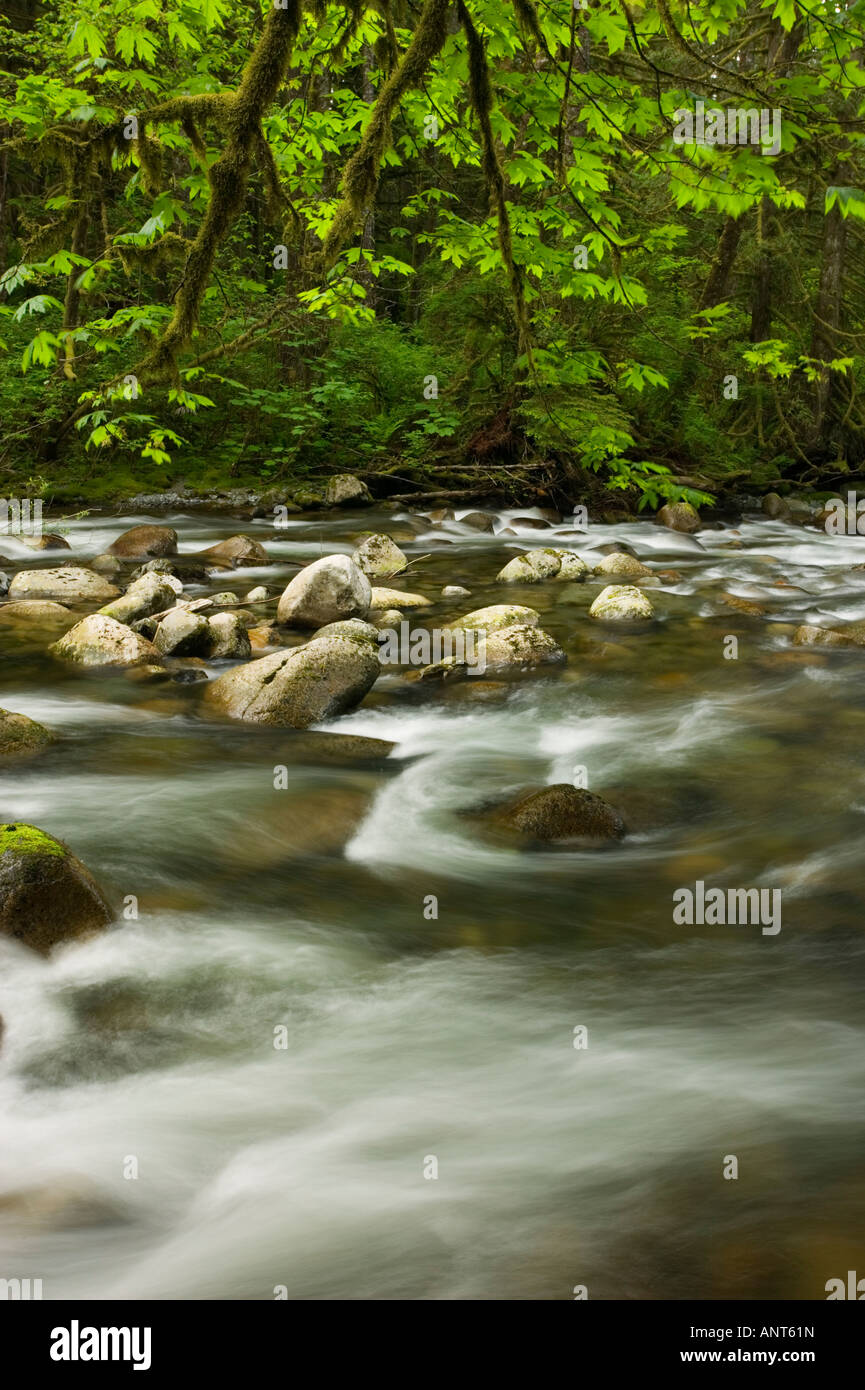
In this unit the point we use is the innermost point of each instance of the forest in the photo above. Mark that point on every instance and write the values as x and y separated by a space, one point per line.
595 251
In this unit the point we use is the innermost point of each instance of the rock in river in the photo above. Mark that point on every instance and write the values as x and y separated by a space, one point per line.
70 584
144 541
20 736
326 591
236 551
558 813
46 894
101 641
379 557
621 603
299 687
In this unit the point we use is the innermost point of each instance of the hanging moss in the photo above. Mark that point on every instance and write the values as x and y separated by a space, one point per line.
228 178
481 94
360 179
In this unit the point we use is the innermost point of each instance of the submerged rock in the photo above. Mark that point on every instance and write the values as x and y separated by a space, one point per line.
621 603
455 591
809 636
20 737
101 641
71 584
46 894
326 591
33 610
560 813
379 557
300 687
141 542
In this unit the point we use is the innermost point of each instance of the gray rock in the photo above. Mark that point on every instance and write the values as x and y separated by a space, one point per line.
531 568
183 633
455 591
347 491
101 641
326 591
300 687
149 594
379 557
479 521
396 598
257 595
229 639
621 603
496 616
68 585
520 648
626 566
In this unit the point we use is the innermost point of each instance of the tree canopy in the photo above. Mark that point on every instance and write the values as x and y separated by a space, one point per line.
532 244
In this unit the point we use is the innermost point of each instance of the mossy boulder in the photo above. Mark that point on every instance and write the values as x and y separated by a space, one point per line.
379 557
622 565
101 641
46 895
679 516
558 814
300 687
227 638
182 633
496 616
347 491
21 737
621 603
150 594
531 568
520 648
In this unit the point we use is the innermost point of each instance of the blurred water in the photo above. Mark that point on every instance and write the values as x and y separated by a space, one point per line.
410 1037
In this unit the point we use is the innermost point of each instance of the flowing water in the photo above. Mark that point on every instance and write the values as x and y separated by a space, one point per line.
409 1041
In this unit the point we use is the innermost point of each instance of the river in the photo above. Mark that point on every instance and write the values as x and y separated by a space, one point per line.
332 1089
